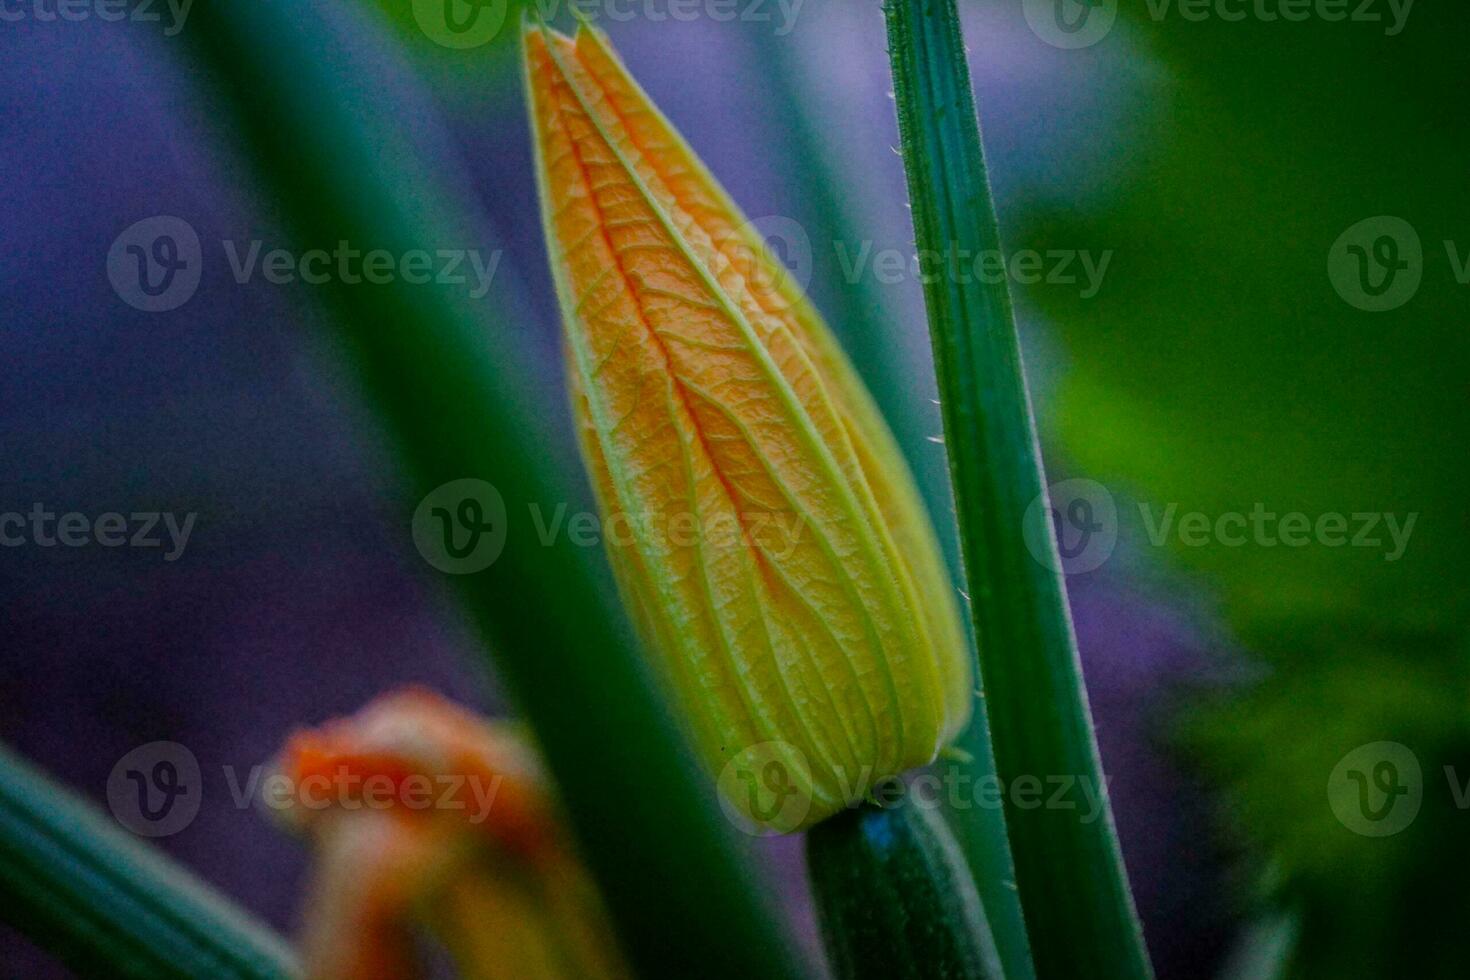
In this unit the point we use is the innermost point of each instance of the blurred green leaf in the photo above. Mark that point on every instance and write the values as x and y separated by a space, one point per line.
445 380
461 33
109 906
1219 370
1367 905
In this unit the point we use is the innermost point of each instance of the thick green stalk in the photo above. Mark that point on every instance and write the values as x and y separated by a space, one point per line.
895 899
110 906
1069 868
442 375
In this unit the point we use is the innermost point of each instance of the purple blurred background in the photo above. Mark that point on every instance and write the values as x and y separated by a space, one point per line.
299 595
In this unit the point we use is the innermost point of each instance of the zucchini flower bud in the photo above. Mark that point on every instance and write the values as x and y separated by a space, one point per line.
427 819
760 519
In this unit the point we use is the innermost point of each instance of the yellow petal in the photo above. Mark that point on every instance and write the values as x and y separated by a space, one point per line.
774 551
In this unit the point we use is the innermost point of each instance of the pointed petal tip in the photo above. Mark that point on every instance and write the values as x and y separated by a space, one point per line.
586 30
533 26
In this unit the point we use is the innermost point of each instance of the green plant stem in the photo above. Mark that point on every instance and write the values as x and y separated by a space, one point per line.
442 376
1069 870
895 898
107 904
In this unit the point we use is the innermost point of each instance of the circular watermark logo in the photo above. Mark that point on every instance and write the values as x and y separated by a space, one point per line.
460 24
765 789
154 265
460 527
155 790
1376 789
1376 265
1071 24
779 263
1084 519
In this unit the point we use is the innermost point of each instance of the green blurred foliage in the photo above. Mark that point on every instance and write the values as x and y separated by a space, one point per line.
1366 906
1219 369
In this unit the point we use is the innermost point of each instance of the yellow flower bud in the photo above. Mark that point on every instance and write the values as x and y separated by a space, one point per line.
427 818
760 519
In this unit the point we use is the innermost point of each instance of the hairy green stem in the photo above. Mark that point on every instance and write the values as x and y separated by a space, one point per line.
1069 869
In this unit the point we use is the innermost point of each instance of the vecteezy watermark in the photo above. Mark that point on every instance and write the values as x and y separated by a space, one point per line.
1376 789
1070 24
465 24
777 247
1392 14
1081 517
1264 528
460 527
1378 263
768 788
1075 526
460 24
469 267
156 790
155 265
1027 266
1082 23
343 788
171 13
774 255
776 533
45 528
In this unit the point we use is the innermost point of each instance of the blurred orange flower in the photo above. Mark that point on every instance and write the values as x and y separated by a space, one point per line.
429 821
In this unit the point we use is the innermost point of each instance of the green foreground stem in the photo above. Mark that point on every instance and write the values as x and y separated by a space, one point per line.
1073 887
895 898
110 906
